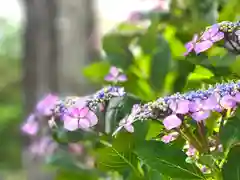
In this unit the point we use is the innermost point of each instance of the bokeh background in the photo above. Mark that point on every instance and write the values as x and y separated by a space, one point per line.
57 46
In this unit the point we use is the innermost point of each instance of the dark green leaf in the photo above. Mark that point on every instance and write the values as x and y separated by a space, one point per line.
116 47
160 64
231 169
117 156
69 175
167 160
230 133
155 175
184 68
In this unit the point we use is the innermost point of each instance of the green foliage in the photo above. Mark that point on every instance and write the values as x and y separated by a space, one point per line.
230 134
231 169
167 160
10 95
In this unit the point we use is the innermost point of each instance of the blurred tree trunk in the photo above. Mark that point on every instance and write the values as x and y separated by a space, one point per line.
56 48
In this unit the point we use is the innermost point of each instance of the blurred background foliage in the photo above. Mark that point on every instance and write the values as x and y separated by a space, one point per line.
10 94
151 56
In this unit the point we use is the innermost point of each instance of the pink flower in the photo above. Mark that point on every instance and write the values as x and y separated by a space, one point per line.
46 105
128 120
208 38
191 151
169 137
79 116
31 126
178 107
191 45
43 147
201 109
115 75
228 102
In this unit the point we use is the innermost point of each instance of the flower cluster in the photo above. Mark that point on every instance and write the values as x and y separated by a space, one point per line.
211 35
197 105
74 112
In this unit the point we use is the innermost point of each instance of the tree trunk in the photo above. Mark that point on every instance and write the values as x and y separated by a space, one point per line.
56 48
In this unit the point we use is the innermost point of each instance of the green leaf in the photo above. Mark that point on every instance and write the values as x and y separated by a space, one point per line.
160 64
154 129
116 47
69 175
230 133
200 73
117 156
97 71
231 169
148 42
167 160
184 68
63 160
155 175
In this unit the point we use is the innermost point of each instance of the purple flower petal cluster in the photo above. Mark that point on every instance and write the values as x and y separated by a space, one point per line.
197 105
115 75
205 41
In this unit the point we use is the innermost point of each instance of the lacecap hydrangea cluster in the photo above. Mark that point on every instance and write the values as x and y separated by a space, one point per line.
80 112
172 110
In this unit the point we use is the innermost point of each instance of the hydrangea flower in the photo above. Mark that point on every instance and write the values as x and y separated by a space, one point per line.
46 105
177 107
169 137
201 109
45 146
208 38
115 75
79 116
190 46
31 126
128 120
191 151
206 41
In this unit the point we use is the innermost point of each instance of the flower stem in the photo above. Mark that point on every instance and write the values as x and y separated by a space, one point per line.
189 136
201 132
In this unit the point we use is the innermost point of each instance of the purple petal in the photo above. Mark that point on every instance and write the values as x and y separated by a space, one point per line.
189 47
167 139
31 126
212 31
81 103
69 123
195 38
210 103
83 123
173 105
219 36
237 97
200 115
122 78
203 46
114 71
182 107
45 106
129 128
191 151
110 78
228 102
83 112
195 105
171 122
92 118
